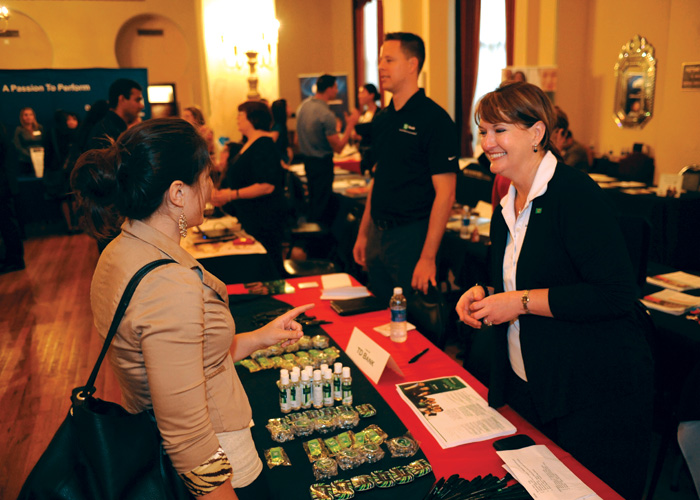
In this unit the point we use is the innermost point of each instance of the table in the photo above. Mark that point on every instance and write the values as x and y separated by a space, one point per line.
467 460
228 262
675 238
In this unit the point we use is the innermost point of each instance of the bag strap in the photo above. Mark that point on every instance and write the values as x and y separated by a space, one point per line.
89 388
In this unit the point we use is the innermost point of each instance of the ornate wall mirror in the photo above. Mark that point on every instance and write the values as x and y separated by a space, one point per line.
635 74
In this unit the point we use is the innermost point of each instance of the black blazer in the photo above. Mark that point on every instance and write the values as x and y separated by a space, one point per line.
594 348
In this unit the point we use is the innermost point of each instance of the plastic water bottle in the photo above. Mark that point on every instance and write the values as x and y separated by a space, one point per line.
327 387
347 386
337 384
306 397
283 386
398 316
295 391
464 231
317 390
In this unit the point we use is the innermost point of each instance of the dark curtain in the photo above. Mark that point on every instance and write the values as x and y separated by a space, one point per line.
359 38
510 31
468 17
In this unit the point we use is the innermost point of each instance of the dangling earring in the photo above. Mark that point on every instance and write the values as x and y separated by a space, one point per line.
182 223
534 148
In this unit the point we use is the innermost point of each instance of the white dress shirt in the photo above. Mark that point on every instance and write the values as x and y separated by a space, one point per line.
517 228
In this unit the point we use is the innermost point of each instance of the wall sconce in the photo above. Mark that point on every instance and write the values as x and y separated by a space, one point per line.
4 19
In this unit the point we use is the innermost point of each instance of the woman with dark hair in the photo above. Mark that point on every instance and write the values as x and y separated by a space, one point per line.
279 131
253 185
28 135
195 117
570 353
175 347
368 96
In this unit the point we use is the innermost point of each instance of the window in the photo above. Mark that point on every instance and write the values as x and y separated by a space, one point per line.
492 54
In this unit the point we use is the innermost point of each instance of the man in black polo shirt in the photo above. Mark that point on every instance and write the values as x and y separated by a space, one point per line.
415 145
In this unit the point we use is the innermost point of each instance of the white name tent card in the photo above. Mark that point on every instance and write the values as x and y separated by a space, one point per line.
369 356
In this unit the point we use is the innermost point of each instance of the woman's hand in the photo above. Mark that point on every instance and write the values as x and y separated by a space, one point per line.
495 309
474 294
283 328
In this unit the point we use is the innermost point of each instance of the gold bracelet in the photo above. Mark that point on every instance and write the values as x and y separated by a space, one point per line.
526 301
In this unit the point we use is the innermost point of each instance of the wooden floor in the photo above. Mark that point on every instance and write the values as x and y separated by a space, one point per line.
48 346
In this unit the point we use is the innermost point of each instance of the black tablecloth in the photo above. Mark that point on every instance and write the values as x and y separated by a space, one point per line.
288 483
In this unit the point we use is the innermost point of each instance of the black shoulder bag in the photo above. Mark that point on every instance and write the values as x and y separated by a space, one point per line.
101 450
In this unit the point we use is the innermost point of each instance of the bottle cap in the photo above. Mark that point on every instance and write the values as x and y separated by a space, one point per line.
295 377
284 371
305 376
398 291
327 374
346 371
317 374
284 378
324 366
296 370
338 367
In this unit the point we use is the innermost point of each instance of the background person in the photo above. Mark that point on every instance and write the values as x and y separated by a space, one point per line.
158 172
253 184
125 105
279 131
195 116
10 229
570 355
414 143
28 135
318 140
368 96
63 137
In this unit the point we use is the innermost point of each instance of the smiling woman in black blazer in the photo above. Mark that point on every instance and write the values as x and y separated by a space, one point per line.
570 354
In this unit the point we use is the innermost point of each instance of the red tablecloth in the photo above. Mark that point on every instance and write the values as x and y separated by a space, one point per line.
351 164
469 460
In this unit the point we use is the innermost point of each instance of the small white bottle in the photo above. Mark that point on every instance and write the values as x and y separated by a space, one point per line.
305 390
295 391
328 388
347 386
283 386
337 384
317 390
398 325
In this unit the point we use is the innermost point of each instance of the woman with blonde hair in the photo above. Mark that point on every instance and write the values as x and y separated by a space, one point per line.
28 135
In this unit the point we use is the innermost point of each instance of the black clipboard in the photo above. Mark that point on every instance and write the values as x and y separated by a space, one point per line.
357 306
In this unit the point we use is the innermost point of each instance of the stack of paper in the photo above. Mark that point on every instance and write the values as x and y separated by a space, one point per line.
339 287
678 281
543 475
671 302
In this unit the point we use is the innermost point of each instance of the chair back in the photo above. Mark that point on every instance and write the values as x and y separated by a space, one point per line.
637 167
691 177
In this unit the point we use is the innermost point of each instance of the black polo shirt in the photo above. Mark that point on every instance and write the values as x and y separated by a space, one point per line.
410 146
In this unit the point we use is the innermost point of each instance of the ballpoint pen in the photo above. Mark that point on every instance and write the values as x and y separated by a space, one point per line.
417 356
